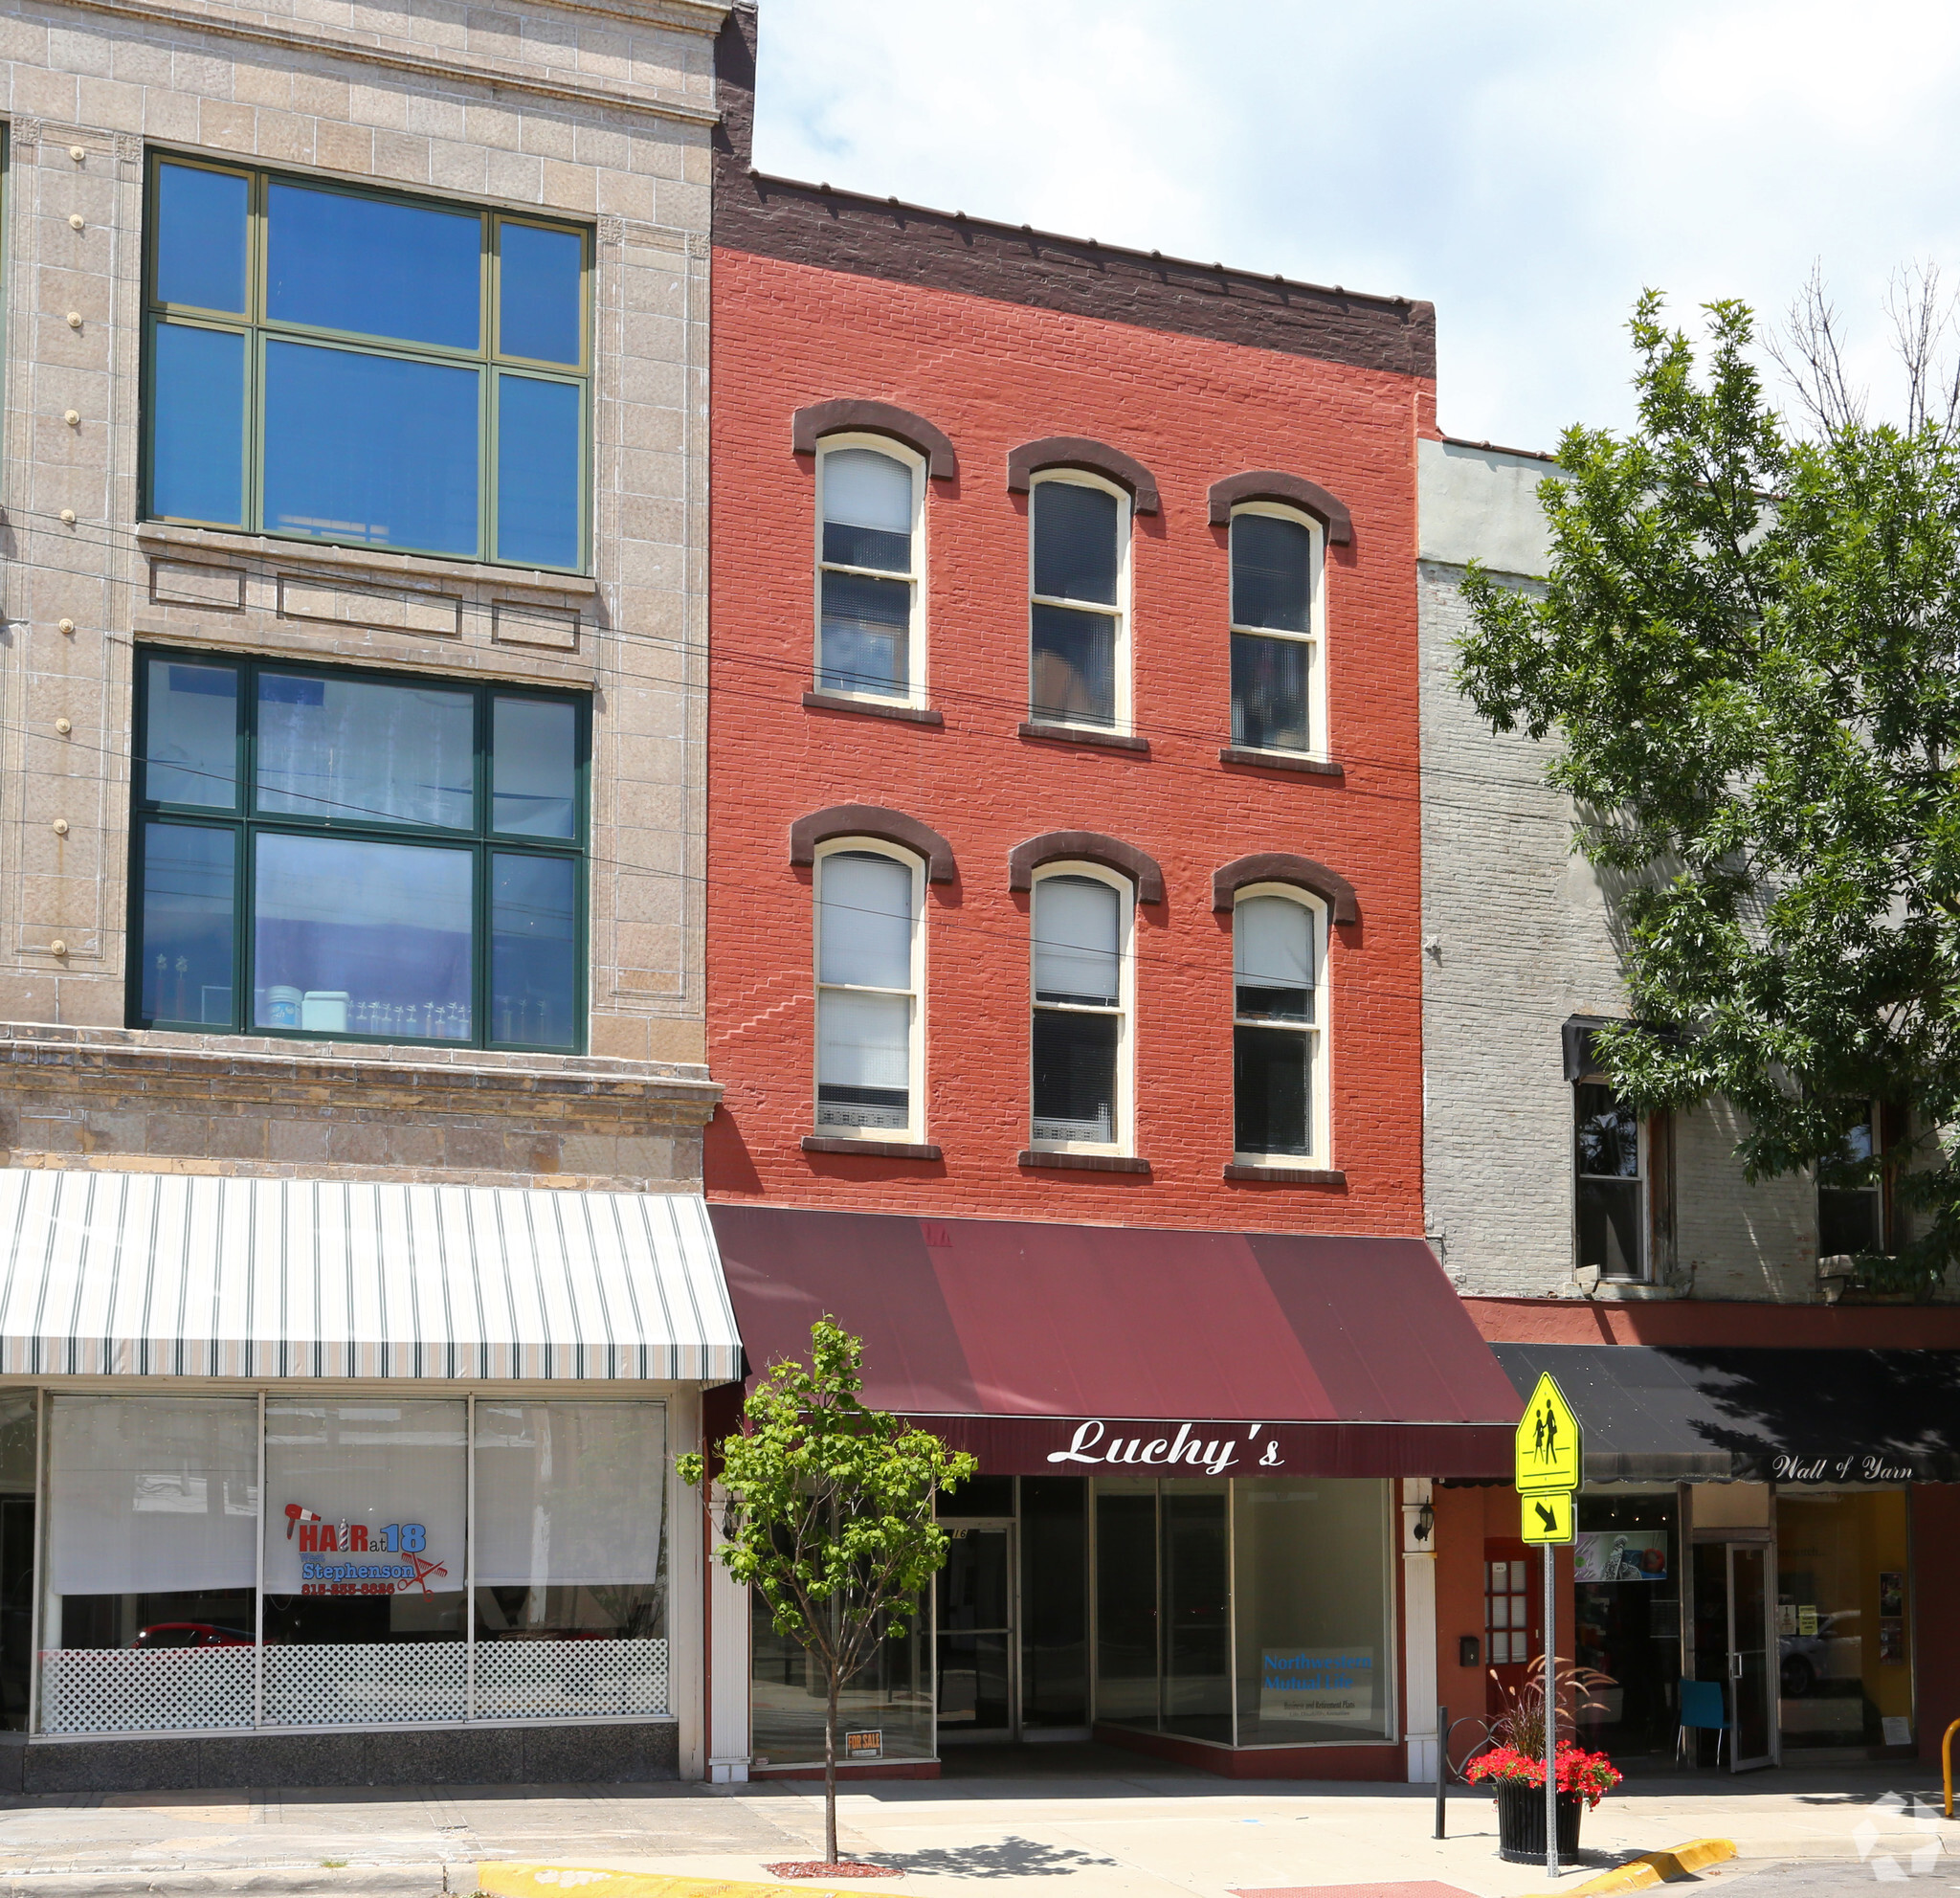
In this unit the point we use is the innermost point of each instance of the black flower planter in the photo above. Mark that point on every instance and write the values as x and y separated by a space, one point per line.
1521 1824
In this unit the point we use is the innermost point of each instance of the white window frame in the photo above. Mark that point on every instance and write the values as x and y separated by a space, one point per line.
1318 1033
1644 1151
1315 638
1875 1191
915 1065
1125 1010
914 462
1121 710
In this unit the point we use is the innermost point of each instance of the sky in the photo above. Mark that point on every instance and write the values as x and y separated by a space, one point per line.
1527 167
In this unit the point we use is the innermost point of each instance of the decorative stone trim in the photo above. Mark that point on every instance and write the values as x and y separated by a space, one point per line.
1287 1175
873 821
1278 761
843 702
849 414
1045 733
1077 451
1090 847
1277 867
872 1150
1293 490
1083 1162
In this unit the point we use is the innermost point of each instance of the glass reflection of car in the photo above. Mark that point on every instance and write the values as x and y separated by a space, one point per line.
1830 1654
190 1634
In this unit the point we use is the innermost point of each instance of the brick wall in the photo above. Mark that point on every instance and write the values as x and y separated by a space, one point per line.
991 374
1519 937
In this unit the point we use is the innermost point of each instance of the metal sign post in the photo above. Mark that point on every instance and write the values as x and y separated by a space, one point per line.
1551 1720
1550 1462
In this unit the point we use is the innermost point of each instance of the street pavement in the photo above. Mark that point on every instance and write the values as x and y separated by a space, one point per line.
1044 1823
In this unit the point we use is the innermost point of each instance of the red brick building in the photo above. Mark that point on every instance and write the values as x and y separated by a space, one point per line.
1064 952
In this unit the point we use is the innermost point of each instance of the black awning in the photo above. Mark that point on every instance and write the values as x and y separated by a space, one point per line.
1654 1414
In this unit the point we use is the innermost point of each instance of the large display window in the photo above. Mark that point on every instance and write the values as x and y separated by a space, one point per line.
1249 1613
1843 1619
219 1563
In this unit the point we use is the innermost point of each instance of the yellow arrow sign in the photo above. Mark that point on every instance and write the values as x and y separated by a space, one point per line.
1549 1448
1547 1517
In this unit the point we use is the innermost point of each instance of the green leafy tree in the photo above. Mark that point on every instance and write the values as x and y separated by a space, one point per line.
1747 656
830 1514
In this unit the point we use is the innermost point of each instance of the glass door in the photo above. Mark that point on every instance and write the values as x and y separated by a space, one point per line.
1732 1644
976 1634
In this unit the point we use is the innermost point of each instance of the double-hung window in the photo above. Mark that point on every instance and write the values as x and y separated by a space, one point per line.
1079 659
364 857
1081 1004
868 571
338 365
867 992
1276 1071
1851 1215
1610 1155
1275 639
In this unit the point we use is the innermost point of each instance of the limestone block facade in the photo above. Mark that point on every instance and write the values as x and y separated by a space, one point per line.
1518 938
596 113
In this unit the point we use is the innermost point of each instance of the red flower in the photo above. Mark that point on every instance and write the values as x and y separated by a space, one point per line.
1590 1774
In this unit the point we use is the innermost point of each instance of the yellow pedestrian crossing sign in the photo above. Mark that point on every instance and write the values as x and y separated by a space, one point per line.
1548 1450
1547 1517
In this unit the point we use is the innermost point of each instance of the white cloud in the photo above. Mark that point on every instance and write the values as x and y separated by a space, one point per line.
1525 165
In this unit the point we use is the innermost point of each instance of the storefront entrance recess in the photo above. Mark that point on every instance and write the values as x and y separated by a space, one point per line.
978 1685
1732 1643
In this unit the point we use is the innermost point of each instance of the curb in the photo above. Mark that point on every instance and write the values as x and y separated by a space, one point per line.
1654 1868
428 1879
504 1880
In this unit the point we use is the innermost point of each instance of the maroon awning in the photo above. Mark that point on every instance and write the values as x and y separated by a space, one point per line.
1054 1350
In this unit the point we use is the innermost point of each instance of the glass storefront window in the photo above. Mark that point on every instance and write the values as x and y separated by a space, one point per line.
1312 1567
884 1711
1626 1597
151 1564
377 1510
571 1575
1055 1602
1843 1619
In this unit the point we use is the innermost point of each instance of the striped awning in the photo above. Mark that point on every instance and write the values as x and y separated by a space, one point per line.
122 1274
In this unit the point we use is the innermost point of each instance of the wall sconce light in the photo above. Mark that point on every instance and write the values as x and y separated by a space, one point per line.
1425 1523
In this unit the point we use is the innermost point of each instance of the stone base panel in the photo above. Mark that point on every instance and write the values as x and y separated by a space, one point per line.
145 1101
610 1755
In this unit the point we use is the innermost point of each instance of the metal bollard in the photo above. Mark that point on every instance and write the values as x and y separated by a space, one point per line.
1442 1768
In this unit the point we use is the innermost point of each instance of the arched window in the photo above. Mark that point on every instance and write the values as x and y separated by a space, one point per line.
1079 578
1278 1114
1277 693
868 1041
1081 1007
868 637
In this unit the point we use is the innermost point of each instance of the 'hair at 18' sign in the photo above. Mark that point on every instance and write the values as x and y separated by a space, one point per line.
317 1538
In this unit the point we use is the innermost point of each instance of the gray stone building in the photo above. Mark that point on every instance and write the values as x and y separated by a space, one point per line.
1769 1459
1518 944
351 724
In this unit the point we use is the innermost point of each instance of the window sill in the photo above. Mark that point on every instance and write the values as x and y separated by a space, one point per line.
159 536
872 1150
1280 761
1083 1162
1287 1175
876 708
1042 732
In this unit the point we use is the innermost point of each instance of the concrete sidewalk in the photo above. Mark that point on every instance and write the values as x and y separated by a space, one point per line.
1081 1823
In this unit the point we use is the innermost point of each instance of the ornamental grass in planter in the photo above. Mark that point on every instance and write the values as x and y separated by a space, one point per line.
1515 1763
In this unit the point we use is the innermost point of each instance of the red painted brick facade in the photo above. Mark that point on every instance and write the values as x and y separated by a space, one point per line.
992 374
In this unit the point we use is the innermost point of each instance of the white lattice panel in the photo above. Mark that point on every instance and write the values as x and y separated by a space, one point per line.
365 1684
547 1680
144 1690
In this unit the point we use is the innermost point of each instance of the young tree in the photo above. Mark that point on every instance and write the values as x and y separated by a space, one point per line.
830 1514
1749 654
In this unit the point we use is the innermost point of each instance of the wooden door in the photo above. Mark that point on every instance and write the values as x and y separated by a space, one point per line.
1513 1616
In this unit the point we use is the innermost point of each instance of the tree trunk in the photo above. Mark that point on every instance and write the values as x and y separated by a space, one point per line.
830 1772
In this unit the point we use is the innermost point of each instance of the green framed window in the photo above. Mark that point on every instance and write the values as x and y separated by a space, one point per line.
326 363
357 856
